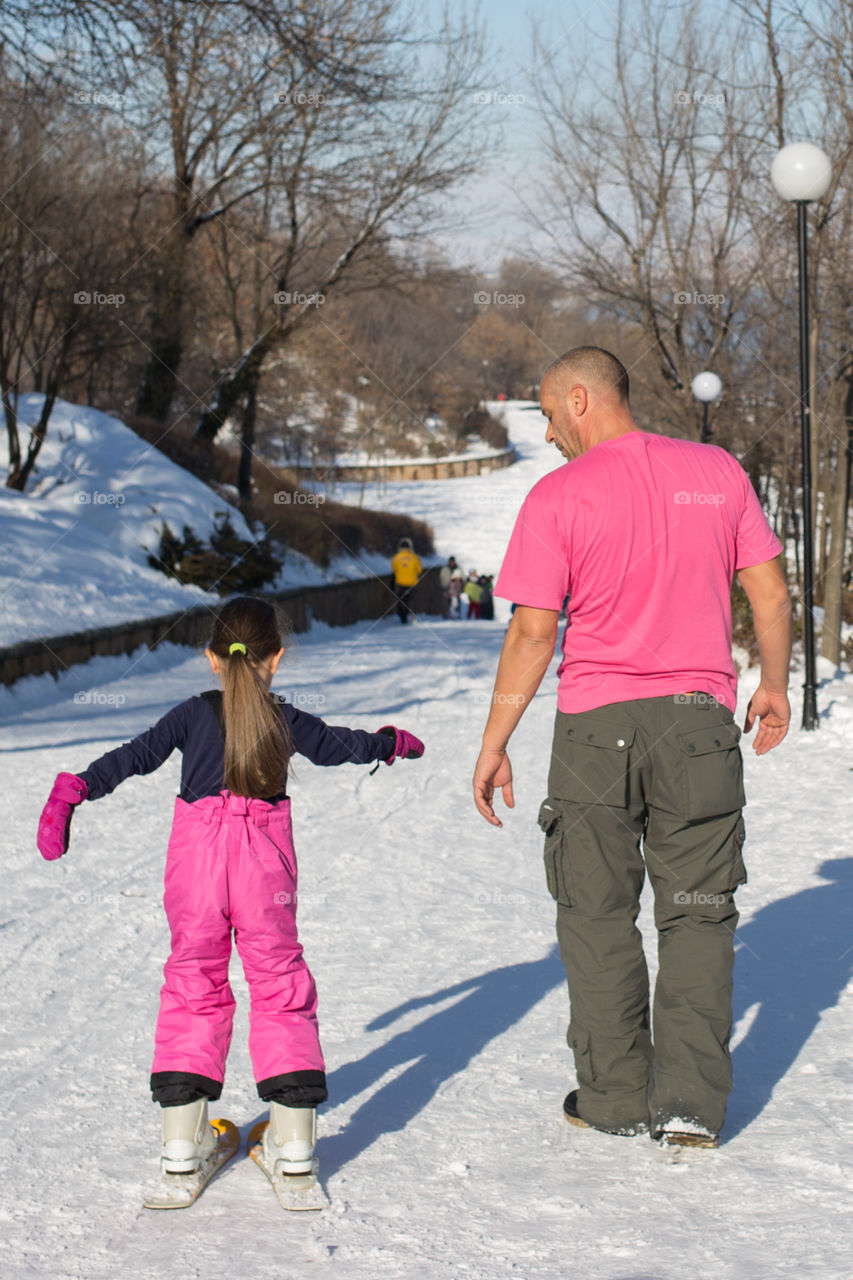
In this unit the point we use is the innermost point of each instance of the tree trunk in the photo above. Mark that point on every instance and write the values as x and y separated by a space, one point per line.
235 388
830 643
247 439
166 342
19 476
14 438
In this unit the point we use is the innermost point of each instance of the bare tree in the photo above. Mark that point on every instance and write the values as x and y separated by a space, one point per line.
59 303
664 218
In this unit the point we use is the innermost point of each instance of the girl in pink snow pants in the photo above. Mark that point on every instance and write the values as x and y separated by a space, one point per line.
231 870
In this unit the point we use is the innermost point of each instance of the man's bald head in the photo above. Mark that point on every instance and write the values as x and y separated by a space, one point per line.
584 396
594 368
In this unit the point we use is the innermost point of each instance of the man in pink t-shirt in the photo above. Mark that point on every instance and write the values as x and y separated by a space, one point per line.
643 534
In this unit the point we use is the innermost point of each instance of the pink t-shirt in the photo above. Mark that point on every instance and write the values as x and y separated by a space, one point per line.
644 533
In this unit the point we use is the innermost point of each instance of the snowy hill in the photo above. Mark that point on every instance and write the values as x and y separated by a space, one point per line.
75 544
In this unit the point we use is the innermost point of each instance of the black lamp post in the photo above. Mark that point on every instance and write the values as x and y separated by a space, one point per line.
801 173
706 387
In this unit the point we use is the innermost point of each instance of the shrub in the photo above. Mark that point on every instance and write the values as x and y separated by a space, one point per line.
229 565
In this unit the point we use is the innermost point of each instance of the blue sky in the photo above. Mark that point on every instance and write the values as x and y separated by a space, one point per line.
500 227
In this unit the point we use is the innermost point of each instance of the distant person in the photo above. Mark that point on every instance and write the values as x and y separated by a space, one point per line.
474 592
231 867
455 590
445 578
487 604
406 568
645 533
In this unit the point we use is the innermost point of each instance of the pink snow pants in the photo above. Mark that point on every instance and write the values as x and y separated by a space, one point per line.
231 865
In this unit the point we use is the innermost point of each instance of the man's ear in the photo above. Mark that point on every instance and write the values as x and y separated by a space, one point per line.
578 399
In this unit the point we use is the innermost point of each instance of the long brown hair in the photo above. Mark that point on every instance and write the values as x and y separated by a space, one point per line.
257 741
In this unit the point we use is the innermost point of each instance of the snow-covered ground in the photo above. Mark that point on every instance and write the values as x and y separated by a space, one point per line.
442 1000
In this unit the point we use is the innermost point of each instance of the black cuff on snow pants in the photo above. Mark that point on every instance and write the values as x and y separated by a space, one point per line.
177 1088
295 1088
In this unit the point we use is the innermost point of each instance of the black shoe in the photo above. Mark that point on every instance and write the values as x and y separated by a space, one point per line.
570 1111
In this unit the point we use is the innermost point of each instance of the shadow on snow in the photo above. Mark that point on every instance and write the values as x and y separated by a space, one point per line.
794 961
439 1047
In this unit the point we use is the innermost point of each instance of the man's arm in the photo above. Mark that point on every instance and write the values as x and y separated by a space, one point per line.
768 597
527 652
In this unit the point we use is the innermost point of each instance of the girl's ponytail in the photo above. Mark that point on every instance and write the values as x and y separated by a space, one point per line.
246 633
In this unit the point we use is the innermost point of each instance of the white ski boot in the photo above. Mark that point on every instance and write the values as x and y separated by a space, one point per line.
289 1139
188 1138
193 1150
284 1149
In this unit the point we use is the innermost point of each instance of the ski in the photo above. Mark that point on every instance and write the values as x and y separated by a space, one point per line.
180 1190
294 1191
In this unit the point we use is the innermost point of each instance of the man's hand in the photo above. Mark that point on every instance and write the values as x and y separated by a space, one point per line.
492 770
773 712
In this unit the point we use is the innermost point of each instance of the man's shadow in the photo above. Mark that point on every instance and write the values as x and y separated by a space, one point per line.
436 1048
794 960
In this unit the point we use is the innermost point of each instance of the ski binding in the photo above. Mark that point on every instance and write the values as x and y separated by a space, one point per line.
294 1191
180 1190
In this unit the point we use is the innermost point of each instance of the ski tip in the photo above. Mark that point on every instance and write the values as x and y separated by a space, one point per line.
256 1133
225 1127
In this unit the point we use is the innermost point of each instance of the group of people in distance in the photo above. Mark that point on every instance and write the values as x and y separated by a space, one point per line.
476 588
406 569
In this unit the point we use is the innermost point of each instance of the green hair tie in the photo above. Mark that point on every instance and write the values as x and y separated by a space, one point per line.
237 647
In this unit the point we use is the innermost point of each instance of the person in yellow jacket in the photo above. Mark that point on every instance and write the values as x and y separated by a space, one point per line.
406 568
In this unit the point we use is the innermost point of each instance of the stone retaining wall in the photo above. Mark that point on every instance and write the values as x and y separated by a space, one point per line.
428 469
339 604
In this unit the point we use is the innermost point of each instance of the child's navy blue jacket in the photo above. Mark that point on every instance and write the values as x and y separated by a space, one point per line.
193 728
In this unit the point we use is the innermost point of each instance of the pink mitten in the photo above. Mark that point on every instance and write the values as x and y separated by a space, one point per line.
55 822
406 745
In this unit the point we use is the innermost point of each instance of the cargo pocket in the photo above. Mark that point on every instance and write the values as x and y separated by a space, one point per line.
551 821
711 771
578 1041
590 762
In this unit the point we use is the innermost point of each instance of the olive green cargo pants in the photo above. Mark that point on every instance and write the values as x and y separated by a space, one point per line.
653 785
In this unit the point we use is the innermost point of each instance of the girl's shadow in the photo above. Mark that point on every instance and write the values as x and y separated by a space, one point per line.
436 1048
794 961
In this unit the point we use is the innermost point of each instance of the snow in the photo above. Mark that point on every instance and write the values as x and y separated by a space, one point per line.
442 1000
76 542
